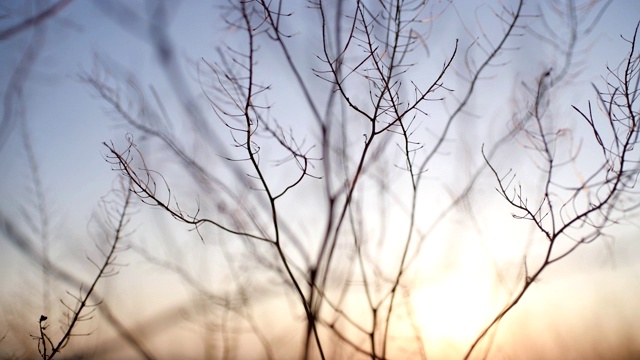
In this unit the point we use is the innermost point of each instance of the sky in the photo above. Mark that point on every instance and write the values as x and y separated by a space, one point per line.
587 297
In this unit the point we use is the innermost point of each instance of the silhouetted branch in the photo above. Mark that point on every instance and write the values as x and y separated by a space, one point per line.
615 177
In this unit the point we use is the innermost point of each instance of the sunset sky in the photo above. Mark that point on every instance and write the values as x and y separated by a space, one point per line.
582 307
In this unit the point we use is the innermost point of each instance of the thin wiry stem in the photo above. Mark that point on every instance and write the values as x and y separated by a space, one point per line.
620 118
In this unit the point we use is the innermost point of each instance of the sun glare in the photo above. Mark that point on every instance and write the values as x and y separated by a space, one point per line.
453 308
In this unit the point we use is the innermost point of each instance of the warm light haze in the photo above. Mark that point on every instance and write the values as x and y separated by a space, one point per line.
356 179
